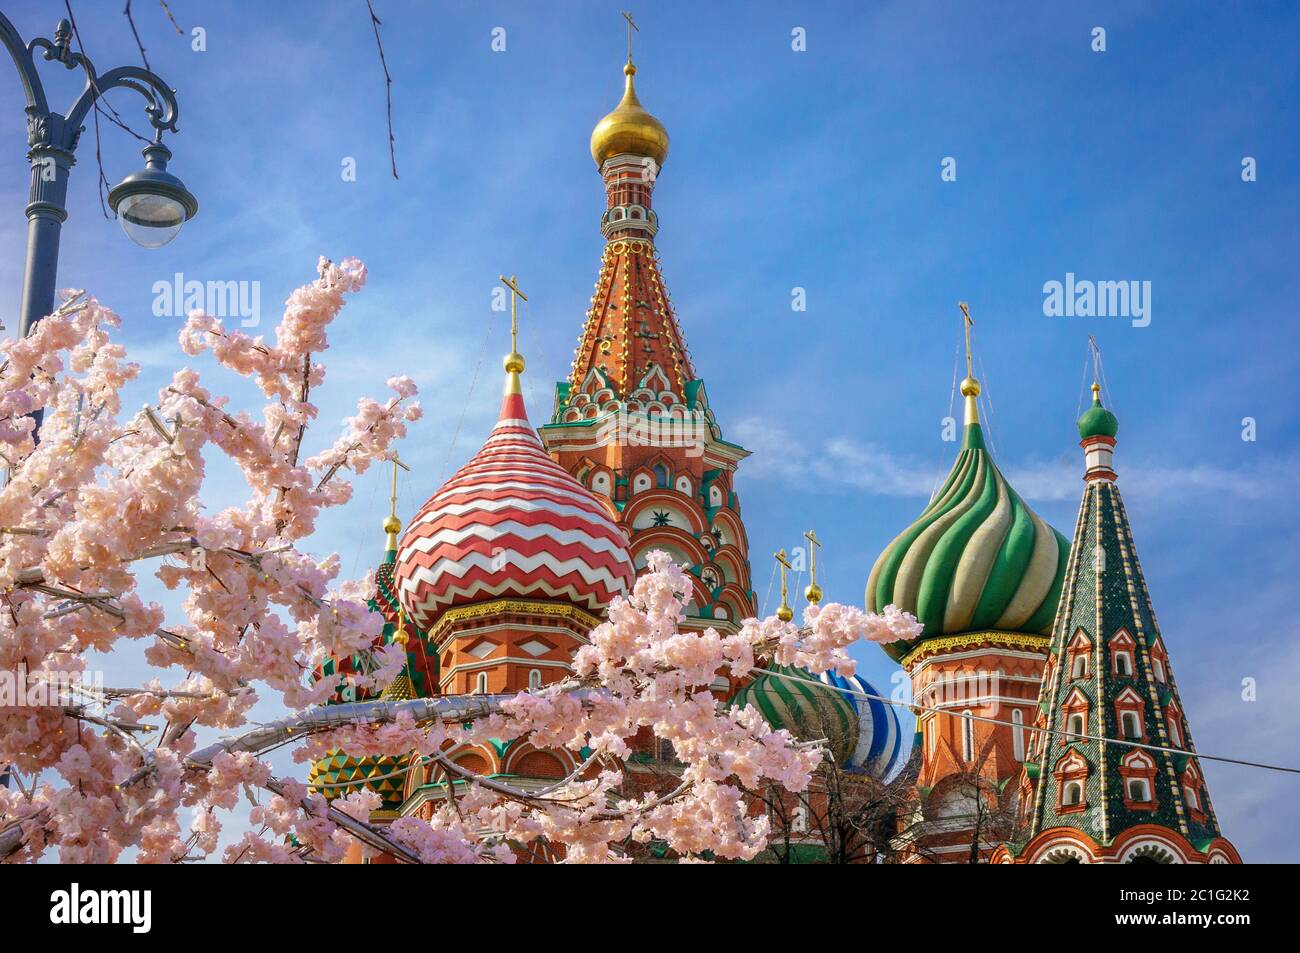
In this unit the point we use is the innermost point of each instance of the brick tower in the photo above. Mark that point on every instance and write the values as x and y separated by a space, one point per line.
632 423
982 572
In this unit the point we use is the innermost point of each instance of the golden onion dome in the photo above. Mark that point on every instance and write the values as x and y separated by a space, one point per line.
629 129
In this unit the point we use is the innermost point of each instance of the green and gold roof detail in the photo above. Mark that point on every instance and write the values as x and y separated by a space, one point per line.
977 558
383 775
1106 609
416 680
809 712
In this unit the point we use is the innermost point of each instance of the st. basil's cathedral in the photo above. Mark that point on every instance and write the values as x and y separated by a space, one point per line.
1049 727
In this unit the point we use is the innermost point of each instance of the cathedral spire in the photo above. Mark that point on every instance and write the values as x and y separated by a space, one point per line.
1087 798
632 422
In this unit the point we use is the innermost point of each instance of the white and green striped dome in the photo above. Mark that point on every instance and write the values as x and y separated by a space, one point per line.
976 559
808 709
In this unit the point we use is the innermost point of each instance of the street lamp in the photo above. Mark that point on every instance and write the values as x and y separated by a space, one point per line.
152 204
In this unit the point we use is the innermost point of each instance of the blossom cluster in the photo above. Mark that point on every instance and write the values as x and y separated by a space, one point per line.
102 498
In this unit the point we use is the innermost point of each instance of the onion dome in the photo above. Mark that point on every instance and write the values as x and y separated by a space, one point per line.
977 558
882 748
1097 421
629 129
339 773
511 523
807 711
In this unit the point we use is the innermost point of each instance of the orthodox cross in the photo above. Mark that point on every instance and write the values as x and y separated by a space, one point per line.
631 25
392 499
814 593
1096 357
967 322
515 293
785 613
392 526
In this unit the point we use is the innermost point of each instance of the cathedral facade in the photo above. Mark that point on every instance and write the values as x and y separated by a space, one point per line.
1048 724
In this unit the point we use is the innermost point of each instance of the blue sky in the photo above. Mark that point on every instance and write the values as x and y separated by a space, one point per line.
816 169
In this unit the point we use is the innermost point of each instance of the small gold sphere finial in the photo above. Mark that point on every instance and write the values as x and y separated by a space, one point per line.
392 524
400 637
1096 391
813 594
785 613
514 363
629 70
970 387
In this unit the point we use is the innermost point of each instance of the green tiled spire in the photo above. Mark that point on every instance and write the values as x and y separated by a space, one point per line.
1109 668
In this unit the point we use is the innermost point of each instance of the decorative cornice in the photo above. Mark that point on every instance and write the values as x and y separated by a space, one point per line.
966 640
481 610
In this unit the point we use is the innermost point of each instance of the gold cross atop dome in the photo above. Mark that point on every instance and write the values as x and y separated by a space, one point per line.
514 360
785 613
631 25
393 525
814 592
970 387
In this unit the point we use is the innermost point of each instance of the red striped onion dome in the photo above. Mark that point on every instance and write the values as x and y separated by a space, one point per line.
511 523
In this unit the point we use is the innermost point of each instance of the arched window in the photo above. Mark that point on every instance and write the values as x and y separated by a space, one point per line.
967 736
481 686
1075 725
1080 669
1072 794
1159 668
1123 664
799 820
1018 734
661 475
1138 790
932 731
1175 735
1131 727
534 680
1189 795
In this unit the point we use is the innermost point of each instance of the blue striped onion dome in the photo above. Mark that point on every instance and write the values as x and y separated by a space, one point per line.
976 559
883 747
807 711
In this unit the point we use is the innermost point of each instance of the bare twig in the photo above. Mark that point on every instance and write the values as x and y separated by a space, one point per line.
388 87
136 33
168 10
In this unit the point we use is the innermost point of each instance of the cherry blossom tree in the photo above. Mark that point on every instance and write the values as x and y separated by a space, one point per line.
102 497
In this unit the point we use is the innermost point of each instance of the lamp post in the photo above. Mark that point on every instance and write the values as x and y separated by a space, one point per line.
152 204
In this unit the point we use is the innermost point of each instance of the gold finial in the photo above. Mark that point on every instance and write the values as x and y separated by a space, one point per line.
400 635
785 613
631 25
970 387
514 360
814 592
393 525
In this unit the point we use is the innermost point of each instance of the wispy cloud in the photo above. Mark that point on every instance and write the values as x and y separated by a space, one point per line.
847 462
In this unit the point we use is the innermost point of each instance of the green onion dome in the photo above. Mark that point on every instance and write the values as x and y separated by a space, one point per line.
976 559
1097 421
808 711
339 774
